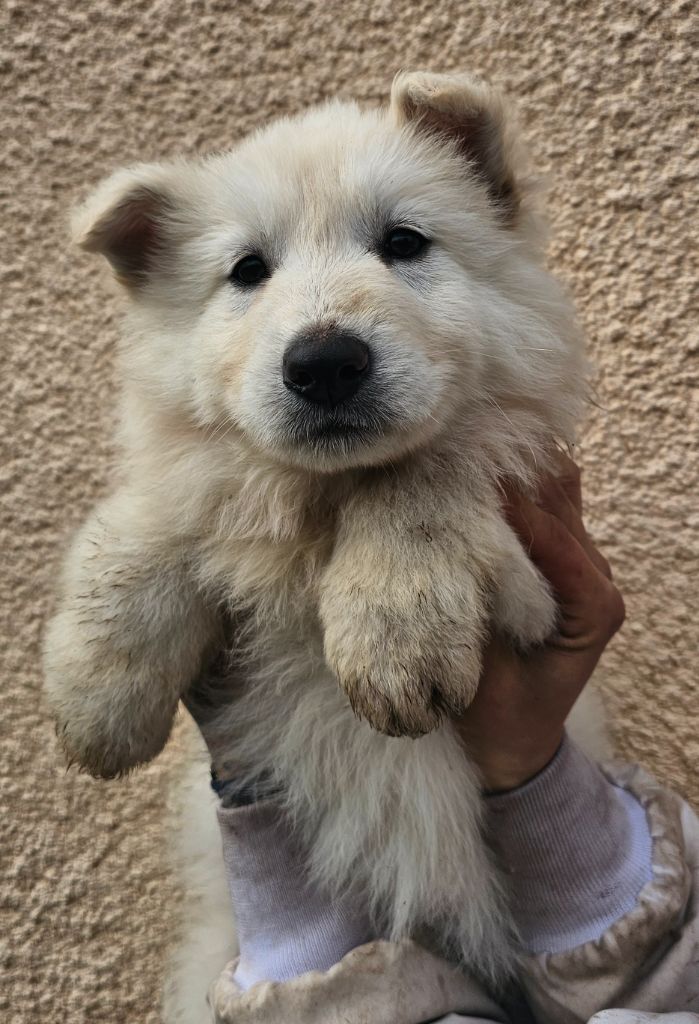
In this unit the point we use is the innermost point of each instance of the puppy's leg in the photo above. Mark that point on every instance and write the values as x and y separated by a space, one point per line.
405 597
524 609
127 638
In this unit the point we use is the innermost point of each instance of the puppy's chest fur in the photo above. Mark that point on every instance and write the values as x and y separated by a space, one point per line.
263 555
260 559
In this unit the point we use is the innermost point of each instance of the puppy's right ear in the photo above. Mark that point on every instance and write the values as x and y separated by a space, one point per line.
126 219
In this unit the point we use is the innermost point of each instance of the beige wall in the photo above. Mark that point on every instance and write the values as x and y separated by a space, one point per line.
608 92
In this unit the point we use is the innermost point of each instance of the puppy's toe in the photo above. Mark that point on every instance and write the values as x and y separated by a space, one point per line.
525 609
410 713
106 745
401 699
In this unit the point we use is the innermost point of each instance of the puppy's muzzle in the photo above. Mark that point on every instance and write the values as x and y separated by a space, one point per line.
326 368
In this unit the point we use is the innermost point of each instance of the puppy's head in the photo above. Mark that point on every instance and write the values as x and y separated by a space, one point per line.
345 285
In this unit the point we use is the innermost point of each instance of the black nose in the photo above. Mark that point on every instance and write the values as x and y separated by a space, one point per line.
326 368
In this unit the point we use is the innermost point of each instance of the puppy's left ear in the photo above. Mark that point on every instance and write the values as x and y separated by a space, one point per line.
472 114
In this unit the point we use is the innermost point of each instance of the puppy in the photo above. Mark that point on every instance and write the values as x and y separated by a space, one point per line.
340 339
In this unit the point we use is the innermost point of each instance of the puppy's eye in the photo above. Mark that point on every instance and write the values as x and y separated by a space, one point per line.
404 244
250 270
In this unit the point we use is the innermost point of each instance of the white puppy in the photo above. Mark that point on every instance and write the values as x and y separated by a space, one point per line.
340 339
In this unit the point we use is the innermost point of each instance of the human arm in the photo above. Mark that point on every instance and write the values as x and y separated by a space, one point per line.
601 864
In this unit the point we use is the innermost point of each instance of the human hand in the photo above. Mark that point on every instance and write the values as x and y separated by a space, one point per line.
515 723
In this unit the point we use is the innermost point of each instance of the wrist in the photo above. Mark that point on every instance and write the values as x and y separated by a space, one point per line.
502 770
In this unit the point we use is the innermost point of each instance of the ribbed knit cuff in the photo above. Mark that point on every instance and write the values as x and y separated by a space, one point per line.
576 848
285 926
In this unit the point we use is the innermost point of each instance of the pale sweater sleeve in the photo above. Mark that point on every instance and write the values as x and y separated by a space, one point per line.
285 926
576 851
648 959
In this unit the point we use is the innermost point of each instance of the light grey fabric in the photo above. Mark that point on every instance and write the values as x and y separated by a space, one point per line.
380 983
458 1018
648 961
284 926
633 1017
576 851
575 847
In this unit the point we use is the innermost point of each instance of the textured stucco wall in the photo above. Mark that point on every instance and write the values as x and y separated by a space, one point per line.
609 93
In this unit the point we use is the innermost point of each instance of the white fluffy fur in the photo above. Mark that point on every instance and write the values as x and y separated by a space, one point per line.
206 929
370 570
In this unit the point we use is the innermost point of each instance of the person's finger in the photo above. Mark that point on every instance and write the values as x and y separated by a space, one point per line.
588 600
551 547
598 558
554 498
568 475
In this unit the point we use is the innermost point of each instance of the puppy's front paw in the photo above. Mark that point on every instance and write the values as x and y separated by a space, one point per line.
402 656
99 746
111 713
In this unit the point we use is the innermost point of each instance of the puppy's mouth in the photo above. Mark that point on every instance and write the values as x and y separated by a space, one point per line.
339 429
